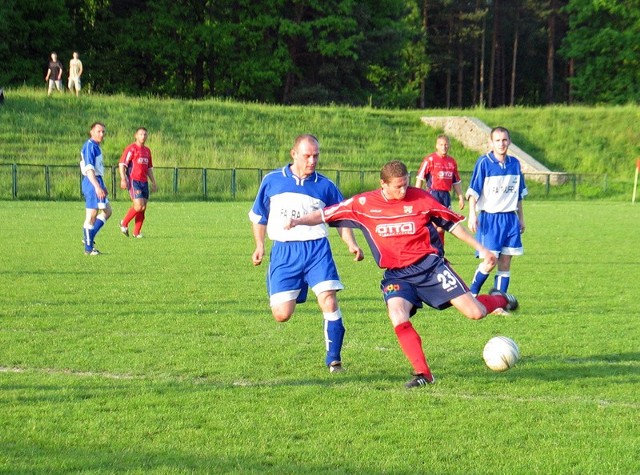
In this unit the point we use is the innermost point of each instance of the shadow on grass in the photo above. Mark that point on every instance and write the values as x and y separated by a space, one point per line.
25 457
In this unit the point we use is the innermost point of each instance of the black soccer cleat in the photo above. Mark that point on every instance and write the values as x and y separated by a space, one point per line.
512 301
419 380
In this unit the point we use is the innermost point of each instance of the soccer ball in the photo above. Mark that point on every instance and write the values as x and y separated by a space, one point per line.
501 353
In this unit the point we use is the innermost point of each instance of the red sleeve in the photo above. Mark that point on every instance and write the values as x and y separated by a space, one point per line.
126 156
424 168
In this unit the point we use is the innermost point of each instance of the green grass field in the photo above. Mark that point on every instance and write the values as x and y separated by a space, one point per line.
161 355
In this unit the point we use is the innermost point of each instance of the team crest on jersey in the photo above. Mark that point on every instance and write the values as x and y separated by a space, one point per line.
362 200
408 209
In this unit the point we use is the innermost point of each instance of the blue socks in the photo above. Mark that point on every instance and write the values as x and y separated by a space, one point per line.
334 335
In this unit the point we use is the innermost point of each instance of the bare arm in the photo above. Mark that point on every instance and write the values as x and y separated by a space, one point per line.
122 168
154 185
347 236
259 233
473 216
461 233
310 219
419 182
521 216
458 190
100 192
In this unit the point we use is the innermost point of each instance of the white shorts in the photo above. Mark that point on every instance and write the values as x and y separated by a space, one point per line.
55 84
74 83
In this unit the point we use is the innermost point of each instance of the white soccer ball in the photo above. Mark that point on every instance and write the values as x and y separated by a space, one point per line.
501 353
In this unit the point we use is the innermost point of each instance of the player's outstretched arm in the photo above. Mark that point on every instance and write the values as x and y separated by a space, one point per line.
350 240
461 233
310 219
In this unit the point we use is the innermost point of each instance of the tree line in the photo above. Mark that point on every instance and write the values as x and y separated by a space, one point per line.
383 53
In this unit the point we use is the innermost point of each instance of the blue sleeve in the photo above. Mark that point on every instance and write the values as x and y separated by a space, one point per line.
261 206
333 195
89 154
477 177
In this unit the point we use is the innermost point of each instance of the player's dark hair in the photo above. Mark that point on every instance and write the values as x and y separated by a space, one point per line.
141 128
96 123
393 169
500 129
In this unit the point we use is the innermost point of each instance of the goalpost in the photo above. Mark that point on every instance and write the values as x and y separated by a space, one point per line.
635 181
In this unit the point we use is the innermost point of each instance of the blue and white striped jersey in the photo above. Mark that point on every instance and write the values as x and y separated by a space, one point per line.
497 186
282 195
91 158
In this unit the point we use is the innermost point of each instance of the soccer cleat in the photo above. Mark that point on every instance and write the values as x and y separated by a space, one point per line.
124 230
92 252
336 367
419 380
138 236
512 302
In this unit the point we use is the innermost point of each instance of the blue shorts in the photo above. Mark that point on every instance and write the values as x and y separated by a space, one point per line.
431 281
297 265
90 197
139 190
442 197
500 233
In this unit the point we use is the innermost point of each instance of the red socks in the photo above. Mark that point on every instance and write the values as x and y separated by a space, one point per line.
139 216
491 302
129 216
411 345
139 221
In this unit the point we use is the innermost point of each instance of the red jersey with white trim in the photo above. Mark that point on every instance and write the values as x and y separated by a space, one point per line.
440 173
137 158
399 232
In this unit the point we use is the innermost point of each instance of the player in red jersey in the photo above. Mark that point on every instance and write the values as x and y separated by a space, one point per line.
136 168
440 172
399 223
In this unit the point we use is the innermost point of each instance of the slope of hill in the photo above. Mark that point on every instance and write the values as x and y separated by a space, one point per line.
38 129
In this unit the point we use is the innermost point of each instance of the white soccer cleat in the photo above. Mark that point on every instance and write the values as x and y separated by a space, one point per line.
124 230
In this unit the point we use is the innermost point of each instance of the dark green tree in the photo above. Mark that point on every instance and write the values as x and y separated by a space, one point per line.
29 31
602 42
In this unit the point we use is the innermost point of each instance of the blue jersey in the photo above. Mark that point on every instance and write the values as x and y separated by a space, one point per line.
283 195
91 158
497 187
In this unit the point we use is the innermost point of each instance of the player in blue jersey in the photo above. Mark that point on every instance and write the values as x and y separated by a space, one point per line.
301 257
495 196
98 209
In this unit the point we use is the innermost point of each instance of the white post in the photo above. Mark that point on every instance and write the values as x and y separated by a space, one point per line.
635 187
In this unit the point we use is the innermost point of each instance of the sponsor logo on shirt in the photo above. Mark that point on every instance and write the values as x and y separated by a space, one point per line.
395 229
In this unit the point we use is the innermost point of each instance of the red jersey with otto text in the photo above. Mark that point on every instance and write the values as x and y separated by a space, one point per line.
399 232
440 173
137 158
